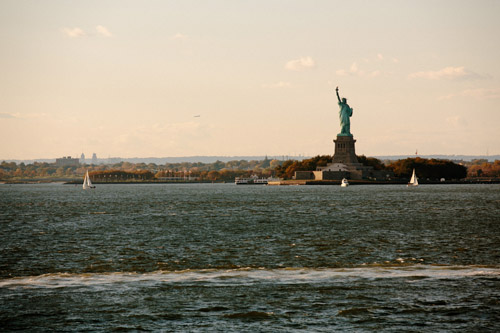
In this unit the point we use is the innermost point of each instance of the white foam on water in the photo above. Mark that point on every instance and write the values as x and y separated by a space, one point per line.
249 276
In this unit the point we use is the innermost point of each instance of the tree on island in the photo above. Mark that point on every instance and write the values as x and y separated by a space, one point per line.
484 169
288 168
432 169
372 161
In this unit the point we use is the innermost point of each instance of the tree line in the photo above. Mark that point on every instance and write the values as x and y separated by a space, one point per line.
216 171
227 171
223 175
433 169
482 168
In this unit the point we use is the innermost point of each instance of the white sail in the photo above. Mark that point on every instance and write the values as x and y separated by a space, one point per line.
86 181
413 180
85 184
89 183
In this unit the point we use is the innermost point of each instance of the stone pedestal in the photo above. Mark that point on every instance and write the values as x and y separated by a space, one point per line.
344 150
345 164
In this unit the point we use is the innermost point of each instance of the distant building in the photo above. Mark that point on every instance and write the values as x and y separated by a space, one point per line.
94 158
67 161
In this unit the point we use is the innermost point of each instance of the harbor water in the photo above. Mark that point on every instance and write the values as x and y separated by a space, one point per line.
221 257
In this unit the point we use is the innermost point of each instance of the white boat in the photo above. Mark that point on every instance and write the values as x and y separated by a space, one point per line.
86 181
413 180
260 181
240 181
253 180
344 182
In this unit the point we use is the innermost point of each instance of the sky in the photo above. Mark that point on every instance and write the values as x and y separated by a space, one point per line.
188 78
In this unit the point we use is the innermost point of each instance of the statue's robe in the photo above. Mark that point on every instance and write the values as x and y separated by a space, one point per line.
344 114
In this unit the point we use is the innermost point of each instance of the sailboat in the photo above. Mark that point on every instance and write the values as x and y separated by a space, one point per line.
413 180
86 181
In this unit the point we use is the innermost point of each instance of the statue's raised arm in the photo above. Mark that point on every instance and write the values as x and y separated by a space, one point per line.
337 91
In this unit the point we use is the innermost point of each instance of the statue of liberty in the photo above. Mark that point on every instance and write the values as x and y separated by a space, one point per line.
344 114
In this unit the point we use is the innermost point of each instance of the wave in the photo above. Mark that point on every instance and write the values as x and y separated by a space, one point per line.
251 276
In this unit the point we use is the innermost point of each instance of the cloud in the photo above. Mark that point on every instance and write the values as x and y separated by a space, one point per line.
280 84
381 57
447 73
352 71
74 32
79 32
18 115
179 36
455 122
300 64
355 70
103 31
479 93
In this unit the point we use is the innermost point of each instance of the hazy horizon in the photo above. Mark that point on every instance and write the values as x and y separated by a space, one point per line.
228 158
237 78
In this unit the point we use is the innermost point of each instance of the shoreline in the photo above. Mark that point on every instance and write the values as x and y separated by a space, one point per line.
79 182
289 182
380 182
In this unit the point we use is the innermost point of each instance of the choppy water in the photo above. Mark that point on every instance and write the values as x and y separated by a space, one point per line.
250 258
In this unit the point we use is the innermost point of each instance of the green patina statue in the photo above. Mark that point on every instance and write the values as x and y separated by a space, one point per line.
344 114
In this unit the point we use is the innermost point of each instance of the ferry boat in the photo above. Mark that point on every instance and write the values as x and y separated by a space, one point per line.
253 180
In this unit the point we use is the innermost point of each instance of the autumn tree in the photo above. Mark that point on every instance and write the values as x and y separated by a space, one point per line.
428 168
371 161
213 175
483 168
